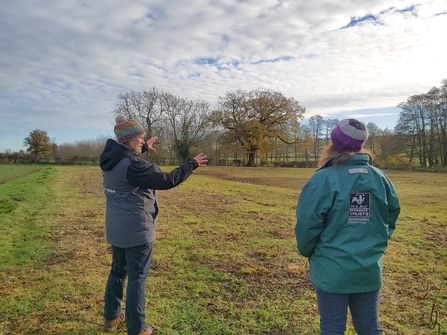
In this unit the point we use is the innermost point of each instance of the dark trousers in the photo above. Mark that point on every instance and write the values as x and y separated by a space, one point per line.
364 308
134 263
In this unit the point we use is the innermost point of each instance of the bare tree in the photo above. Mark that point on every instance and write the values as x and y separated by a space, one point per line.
373 130
413 123
328 125
187 121
146 107
442 122
123 105
423 123
316 126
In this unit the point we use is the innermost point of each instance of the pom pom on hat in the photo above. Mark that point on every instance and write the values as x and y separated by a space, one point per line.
120 118
349 134
126 129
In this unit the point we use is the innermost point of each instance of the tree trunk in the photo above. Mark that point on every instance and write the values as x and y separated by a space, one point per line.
251 159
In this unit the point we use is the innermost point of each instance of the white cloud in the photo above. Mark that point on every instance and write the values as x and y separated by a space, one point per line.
63 63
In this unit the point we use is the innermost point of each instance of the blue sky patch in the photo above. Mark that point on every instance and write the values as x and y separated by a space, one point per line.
408 9
205 61
274 60
357 20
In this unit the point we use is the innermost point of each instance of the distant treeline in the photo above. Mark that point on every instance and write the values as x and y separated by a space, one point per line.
260 127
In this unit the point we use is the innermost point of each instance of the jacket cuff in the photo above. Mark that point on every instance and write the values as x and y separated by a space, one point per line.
194 163
144 148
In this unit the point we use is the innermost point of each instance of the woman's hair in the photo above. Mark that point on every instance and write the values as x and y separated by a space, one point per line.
329 152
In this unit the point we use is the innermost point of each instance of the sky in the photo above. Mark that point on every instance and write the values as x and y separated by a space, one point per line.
63 63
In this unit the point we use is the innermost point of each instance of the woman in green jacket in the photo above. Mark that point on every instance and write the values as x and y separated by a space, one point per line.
346 213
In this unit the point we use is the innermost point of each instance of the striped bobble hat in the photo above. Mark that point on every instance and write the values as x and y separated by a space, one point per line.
349 135
126 129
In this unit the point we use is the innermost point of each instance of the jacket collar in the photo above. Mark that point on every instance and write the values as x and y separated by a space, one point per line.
356 159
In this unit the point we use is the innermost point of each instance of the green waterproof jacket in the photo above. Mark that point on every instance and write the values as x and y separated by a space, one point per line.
345 215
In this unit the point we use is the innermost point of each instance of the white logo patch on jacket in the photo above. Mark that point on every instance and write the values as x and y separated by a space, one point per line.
359 208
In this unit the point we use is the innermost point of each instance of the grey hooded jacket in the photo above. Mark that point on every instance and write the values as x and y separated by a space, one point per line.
130 185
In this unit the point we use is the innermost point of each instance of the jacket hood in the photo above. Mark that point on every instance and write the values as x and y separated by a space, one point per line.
113 153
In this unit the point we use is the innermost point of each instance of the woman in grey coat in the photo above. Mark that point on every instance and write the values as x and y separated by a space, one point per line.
130 185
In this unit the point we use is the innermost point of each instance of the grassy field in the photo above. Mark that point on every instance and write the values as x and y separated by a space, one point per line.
225 260
8 172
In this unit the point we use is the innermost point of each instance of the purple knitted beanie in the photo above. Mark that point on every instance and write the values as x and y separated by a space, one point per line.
350 135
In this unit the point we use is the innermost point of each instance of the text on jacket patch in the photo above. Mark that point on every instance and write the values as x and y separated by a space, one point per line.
359 208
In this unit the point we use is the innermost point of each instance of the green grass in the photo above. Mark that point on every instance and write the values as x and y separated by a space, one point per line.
9 171
225 260
26 232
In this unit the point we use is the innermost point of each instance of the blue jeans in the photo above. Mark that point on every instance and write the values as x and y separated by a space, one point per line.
134 263
364 308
